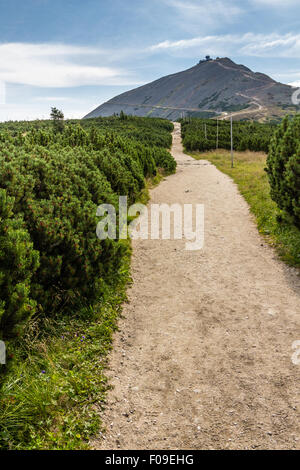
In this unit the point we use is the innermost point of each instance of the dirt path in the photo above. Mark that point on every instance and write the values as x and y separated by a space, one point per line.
203 356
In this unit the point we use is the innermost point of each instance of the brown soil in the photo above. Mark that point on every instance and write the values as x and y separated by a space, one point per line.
203 356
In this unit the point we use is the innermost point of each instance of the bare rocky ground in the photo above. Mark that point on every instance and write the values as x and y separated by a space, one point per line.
203 356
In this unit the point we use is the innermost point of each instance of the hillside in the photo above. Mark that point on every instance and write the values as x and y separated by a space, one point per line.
212 86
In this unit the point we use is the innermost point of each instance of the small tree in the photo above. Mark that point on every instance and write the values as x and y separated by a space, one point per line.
57 117
123 116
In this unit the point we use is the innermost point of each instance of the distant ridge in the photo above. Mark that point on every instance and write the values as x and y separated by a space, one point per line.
212 87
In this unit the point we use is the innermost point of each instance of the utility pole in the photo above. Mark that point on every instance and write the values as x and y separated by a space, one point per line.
205 131
231 137
217 145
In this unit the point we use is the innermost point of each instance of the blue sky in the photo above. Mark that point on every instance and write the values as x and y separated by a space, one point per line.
76 54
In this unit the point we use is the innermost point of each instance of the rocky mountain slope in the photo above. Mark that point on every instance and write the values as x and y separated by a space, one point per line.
212 87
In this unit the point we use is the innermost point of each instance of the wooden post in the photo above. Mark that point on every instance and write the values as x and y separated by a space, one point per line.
217 145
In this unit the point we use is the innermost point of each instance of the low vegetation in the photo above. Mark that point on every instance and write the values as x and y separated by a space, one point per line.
283 168
204 134
61 288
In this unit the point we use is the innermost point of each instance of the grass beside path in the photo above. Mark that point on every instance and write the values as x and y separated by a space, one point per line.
248 173
56 375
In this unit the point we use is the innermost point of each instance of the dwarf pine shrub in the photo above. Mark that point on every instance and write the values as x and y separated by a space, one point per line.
51 184
283 168
18 263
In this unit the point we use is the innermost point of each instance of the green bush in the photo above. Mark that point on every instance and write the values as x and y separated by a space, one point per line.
164 160
252 136
53 183
18 262
283 168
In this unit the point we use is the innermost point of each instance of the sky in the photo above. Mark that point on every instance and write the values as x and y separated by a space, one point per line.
76 54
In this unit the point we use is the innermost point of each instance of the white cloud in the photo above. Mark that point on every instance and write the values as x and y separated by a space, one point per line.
249 44
18 112
211 41
53 98
273 45
194 14
57 65
275 3
204 10
40 109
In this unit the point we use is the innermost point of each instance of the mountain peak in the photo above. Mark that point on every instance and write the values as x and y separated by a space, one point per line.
213 86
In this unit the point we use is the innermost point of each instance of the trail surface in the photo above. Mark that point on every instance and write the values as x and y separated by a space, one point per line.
203 356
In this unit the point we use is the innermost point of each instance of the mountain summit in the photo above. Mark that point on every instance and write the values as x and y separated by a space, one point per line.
209 88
